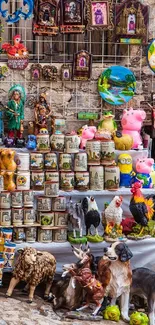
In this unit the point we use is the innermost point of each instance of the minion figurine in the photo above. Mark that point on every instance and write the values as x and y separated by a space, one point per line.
126 171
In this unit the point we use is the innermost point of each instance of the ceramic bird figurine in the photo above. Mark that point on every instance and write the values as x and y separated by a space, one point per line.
107 123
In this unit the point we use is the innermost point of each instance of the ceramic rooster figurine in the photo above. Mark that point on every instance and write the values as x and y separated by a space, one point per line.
17 50
113 215
141 208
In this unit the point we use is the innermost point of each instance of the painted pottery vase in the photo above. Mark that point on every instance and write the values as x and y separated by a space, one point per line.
51 189
60 218
107 153
23 180
44 203
80 162
45 235
5 200
5 217
8 255
31 234
46 218
29 216
17 216
112 177
18 235
96 178
93 150
72 143
59 203
52 176
60 235
82 181
17 199
7 234
67 181
23 161
65 162
36 160
57 142
28 198
37 180
43 142
51 161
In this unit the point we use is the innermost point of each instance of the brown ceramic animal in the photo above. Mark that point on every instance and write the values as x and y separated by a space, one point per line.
9 184
122 142
7 160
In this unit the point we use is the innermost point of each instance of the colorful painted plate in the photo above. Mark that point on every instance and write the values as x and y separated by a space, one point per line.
116 85
151 55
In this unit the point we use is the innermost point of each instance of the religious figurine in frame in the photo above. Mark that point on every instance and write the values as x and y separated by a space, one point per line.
65 72
36 72
50 73
99 15
82 65
72 16
46 17
131 21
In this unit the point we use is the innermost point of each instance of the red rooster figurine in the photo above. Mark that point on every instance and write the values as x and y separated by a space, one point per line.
17 54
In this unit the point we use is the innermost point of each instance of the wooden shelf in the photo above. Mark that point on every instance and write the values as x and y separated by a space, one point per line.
54 227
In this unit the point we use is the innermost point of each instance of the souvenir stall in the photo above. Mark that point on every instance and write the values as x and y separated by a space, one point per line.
76 134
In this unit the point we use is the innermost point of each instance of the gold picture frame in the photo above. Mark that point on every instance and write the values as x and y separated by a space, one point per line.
99 15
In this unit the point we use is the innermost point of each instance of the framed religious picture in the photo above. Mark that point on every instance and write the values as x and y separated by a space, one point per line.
131 22
82 66
99 15
45 20
50 73
72 16
65 72
36 72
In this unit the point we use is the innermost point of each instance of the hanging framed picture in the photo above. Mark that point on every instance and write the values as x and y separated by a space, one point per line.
50 73
65 72
36 72
82 66
45 18
72 16
131 22
99 15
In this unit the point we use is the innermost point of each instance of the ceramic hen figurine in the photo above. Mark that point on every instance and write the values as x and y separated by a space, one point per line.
113 215
16 50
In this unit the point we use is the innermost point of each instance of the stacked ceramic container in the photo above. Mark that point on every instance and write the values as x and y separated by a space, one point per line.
23 171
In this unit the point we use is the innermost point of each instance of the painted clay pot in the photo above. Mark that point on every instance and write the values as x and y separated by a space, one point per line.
44 203
17 199
67 181
23 161
96 178
18 235
51 189
17 216
65 162
112 177
80 162
37 180
5 200
5 217
36 160
82 181
28 198
57 142
60 218
43 142
52 176
29 216
51 161
45 235
7 234
72 142
60 235
31 234
93 150
23 180
8 255
59 203
107 153
46 218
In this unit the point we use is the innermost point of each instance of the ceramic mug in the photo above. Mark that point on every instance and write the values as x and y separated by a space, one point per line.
72 142
28 198
17 216
51 189
17 199
5 200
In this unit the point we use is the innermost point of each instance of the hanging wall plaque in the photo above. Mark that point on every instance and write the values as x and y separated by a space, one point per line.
82 65
45 19
65 72
36 72
50 73
72 16
99 15
131 21
18 56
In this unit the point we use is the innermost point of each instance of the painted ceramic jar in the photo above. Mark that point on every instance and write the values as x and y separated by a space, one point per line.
28 198
8 255
17 216
51 176
45 235
46 218
65 162
82 181
80 162
1 183
18 235
44 203
23 180
72 142
59 203
67 181
43 142
7 234
57 142
96 174
23 161
51 161
111 178
93 150
51 189
107 153
60 218
36 160
17 199
29 216
37 180
5 200
60 235
5 217
31 234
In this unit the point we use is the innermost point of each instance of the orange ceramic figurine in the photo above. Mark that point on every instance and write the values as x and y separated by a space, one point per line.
9 184
7 160
17 54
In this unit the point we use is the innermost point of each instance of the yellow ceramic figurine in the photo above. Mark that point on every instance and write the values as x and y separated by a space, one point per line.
108 123
126 171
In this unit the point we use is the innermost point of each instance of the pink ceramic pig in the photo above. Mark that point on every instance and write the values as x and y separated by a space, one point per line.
88 133
143 169
131 124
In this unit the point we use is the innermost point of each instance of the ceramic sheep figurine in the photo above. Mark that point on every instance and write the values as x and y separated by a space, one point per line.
33 267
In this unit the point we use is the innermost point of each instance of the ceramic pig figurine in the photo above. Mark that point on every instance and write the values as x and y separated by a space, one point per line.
131 124
88 133
143 171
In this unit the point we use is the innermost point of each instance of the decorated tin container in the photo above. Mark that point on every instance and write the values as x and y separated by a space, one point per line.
93 150
31 234
72 142
111 178
96 174
28 198
44 203
23 180
60 235
57 142
17 216
18 235
23 161
51 161
67 181
37 179
60 218
29 216
107 153
8 255
65 162
80 162
45 235
36 160
17 199
46 218
5 217
59 203
1 183
51 176
7 234
51 189
43 142
5 200
82 181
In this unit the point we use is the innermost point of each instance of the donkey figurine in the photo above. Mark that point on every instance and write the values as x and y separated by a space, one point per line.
75 214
